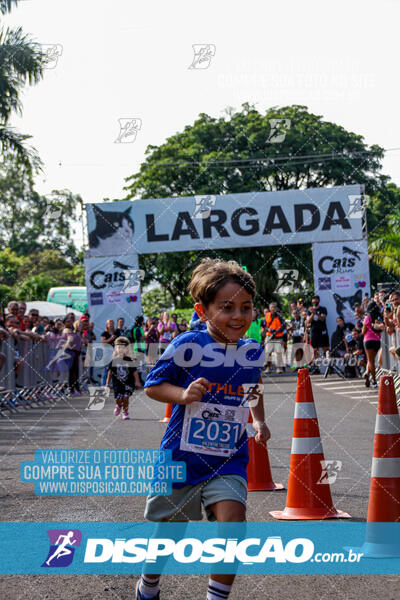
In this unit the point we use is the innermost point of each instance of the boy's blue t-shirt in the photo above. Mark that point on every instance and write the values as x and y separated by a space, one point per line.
209 436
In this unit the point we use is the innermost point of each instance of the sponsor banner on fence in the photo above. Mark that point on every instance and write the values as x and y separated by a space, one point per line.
341 278
224 221
113 289
191 548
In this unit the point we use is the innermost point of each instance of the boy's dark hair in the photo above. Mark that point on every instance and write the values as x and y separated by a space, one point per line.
212 274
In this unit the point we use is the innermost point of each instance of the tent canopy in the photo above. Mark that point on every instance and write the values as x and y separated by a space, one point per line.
51 309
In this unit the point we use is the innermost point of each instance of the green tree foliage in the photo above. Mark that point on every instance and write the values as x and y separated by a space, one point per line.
30 222
156 301
33 288
233 154
21 62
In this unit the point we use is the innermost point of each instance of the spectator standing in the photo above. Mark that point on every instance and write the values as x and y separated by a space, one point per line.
316 321
297 330
372 329
182 326
124 376
165 329
151 336
89 337
254 331
73 347
108 337
174 322
274 331
121 330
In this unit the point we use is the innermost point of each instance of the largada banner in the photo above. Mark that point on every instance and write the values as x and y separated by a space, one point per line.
225 221
341 278
113 288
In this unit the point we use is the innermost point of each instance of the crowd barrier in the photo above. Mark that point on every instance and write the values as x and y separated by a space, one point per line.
32 375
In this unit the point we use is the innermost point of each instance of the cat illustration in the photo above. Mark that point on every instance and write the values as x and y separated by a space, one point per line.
112 233
345 306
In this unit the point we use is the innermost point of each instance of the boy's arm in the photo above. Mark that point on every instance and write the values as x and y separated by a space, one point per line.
173 394
259 424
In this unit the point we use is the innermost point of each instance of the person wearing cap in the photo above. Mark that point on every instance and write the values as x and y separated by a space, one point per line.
124 375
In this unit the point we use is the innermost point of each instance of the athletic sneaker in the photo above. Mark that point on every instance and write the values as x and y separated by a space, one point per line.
140 596
117 410
125 415
278 371
366 378
374 384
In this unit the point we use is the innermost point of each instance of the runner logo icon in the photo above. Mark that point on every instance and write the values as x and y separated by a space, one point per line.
62 547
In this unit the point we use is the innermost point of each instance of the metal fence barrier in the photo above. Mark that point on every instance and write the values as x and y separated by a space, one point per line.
33 375
390 365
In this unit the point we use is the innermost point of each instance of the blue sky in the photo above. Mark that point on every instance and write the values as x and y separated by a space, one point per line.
131 60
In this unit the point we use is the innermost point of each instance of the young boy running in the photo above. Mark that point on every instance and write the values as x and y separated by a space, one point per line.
205 380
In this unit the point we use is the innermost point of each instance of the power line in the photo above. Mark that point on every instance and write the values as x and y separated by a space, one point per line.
270 160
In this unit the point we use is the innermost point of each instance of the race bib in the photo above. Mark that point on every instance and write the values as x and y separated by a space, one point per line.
213 428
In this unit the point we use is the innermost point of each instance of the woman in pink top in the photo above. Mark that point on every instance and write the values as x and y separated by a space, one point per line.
166 330
372 328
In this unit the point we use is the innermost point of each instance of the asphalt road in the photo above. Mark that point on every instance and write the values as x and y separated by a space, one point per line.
346 418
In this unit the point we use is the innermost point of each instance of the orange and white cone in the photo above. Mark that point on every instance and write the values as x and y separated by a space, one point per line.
382 540
168 413
258 469
306 497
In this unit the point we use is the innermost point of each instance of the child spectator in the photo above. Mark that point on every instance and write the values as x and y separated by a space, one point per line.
124 376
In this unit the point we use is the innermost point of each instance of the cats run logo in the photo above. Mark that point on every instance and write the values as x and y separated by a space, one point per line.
330 264
203 53
121 276
63 543
128 129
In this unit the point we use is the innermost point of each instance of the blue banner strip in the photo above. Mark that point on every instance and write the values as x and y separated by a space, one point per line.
191 548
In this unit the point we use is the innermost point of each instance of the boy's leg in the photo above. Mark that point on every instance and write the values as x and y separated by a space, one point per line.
225 511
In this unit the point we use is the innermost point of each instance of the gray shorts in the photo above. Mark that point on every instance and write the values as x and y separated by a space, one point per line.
184 504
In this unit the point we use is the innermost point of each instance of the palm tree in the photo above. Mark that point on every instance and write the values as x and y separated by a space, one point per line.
21 62
384 245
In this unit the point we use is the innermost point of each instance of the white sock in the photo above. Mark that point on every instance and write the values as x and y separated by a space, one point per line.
149 587
217 591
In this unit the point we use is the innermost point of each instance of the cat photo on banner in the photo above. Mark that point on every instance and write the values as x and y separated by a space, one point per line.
110 231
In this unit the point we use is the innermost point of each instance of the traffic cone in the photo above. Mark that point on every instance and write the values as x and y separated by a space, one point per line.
382 539
307 498
258 469
168 413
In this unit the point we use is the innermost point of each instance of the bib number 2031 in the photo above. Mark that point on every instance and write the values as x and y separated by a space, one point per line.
217 434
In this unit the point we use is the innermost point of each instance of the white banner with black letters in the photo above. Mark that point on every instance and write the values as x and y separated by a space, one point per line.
341 278
225 221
